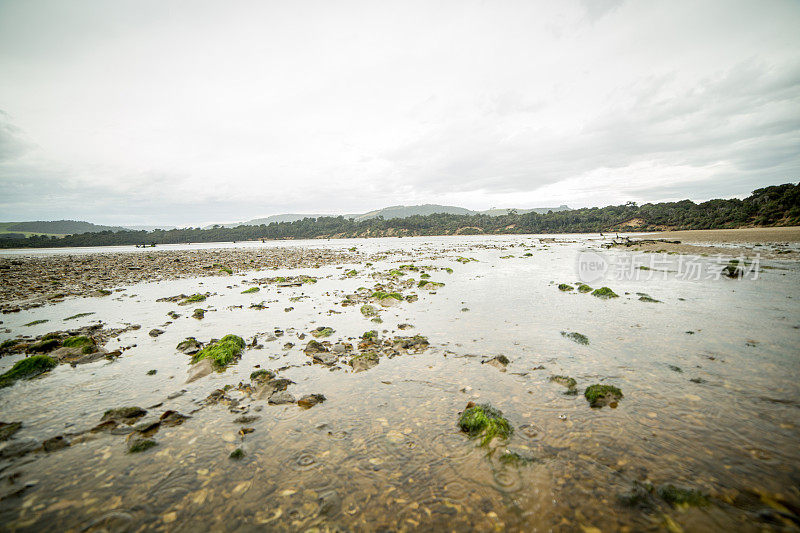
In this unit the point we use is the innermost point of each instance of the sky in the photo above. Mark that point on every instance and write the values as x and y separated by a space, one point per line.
195 112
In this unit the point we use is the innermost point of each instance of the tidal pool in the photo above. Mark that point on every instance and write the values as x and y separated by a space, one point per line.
709 374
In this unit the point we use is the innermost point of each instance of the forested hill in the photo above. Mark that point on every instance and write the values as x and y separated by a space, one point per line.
62 227
771 206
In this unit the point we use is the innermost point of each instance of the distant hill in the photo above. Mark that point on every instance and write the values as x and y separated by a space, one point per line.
56 227
147 228
395 211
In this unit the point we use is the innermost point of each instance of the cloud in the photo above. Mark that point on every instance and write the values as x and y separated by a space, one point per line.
203 112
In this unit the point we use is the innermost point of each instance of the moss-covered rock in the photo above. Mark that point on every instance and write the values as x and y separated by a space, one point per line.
363 361
381 295
600 395
262 375
322 331
484 421
251 290
78 341
27 368
45 345
605 293
237 454
223 352
137 445
583 288
514 458
127 415
194 298
564 287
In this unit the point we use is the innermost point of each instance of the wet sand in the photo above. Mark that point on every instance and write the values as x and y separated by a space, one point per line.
741 235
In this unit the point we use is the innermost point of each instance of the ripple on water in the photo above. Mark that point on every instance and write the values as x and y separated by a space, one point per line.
304 460
453 446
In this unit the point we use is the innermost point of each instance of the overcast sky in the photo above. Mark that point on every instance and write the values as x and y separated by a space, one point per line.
172 112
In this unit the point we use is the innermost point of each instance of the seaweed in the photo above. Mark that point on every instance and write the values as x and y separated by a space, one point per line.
599 395
223 352
27 368
485 421
574 336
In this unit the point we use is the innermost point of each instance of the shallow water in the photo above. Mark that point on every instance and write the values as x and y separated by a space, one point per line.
384 451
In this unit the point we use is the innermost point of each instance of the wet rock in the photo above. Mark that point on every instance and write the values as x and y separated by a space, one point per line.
189 346
246 419
139 444
200 369
7 429
568 382
27 368
325 358
237 454
18 447
125 415
199 313
404 326
172 418
310 400
498 361
281 397
55 443
364 361
314 347
417 343
155 332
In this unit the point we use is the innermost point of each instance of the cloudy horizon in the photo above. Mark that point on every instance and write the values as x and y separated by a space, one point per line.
191 113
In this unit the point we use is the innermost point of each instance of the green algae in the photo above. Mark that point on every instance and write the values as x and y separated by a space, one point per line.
574 336
79 315
27 368
564 287
599 395
381 295
35 322
262 375
681 497
194 298
322 331
370 335
368 310
223 352
605 293
486 422
237 454
45 345
140 445
568 382
251 290
583 288
78 341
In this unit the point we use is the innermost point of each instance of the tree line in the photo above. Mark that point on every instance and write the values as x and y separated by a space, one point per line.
770 206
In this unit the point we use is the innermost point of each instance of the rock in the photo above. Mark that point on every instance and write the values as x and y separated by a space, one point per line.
7 429
310 400
314 347
138 444
189 346
126 415
200 369
498 361
280 398
55 443
364 361
404 326
325 358
199 313
18 447
172 418
600 395
245 419
155 332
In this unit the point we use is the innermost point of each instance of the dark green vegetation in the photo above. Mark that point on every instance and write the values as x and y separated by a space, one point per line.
78 341
35 322
27 368
193 298
770 206
564 287
600 395
583 288
223 352
574 336
380 295
262 375
485 421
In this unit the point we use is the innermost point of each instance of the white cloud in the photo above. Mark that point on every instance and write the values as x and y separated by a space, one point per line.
194 112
